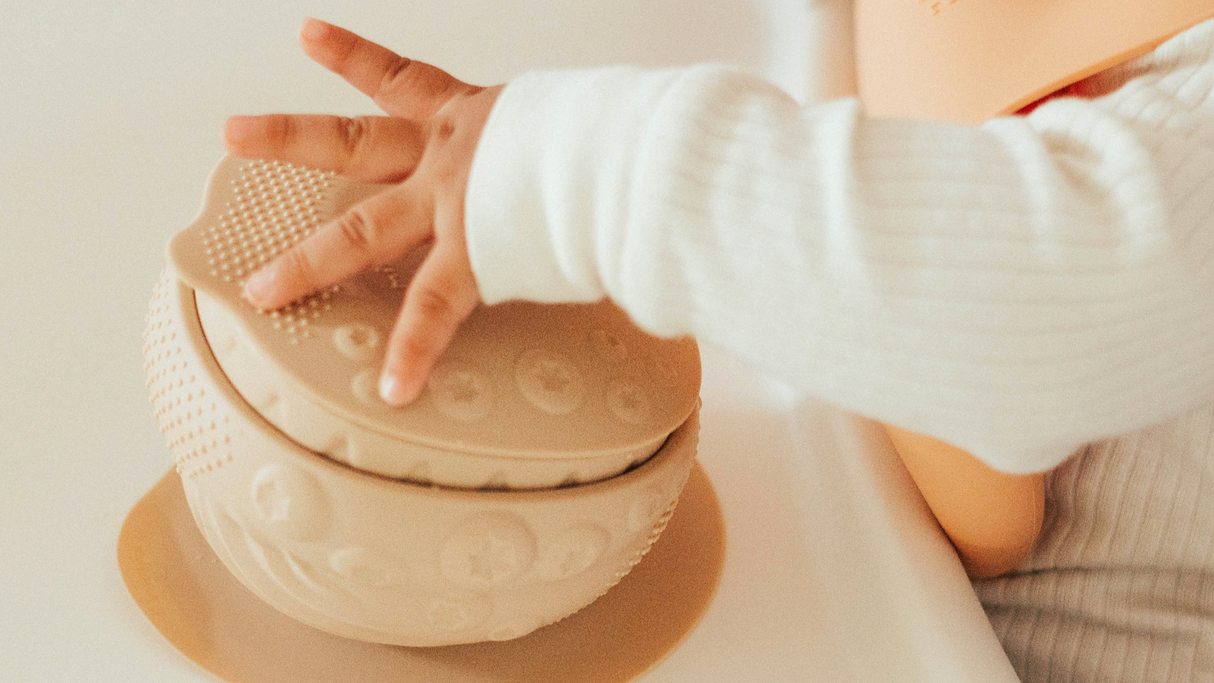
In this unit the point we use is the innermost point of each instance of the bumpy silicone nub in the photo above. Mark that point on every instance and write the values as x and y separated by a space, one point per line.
527 396
970 60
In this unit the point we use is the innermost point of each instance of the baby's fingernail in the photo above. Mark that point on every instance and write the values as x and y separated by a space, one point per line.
260 285
239 129
314 29
392 390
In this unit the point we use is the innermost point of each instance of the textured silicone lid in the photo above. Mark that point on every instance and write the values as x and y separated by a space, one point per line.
388 561
970 60
526 396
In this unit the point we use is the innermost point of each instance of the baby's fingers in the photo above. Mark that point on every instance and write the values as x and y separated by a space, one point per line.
377 149
378 230
439 298
400 86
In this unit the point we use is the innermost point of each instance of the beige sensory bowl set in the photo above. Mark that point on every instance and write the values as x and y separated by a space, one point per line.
540 464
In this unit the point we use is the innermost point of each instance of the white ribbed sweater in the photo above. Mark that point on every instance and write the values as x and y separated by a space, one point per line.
1019 289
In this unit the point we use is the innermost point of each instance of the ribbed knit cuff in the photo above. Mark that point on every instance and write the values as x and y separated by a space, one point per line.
559 149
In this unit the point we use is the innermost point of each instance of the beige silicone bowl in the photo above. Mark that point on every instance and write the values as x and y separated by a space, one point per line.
541 463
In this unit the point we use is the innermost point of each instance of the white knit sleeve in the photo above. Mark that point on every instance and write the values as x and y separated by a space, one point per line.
1016 289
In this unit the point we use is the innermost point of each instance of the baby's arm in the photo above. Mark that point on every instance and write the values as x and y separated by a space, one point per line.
1016 289
991 517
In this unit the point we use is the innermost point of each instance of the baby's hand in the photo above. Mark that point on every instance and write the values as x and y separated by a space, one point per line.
425 147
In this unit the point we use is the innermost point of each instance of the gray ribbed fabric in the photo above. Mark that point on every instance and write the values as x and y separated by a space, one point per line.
1121 584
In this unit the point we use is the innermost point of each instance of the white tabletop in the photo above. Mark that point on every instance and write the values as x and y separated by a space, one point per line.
109 124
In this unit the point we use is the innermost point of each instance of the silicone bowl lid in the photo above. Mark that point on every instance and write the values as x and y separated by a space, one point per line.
521 383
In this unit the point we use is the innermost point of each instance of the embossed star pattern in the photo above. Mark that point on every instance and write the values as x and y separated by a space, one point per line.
461 386
449 616
274 502
577 559
630 399
492 559
552 377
